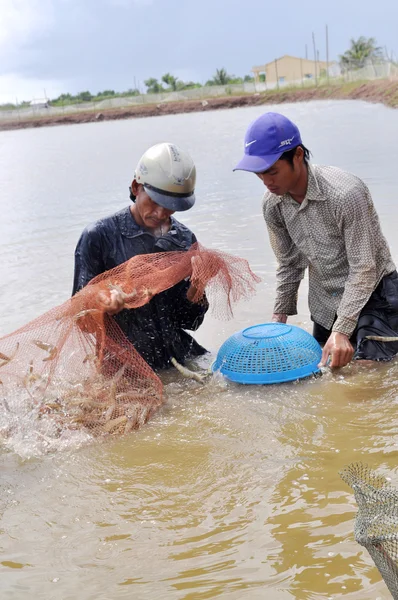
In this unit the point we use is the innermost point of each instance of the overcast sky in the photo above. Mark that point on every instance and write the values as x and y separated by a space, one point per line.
75 45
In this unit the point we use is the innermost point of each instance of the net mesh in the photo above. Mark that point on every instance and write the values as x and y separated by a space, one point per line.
376 523
73 368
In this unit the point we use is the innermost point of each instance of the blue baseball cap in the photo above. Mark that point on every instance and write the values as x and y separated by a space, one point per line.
266 139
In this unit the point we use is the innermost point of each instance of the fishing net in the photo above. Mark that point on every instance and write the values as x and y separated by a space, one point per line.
376 524
73 368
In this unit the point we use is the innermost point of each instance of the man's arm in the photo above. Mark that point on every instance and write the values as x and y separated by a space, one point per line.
291 267
88 259
357 220
88 264
188 314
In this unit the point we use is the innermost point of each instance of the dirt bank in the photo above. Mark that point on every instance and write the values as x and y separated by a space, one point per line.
385 92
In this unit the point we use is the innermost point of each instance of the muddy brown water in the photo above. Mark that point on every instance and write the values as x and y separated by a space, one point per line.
229 491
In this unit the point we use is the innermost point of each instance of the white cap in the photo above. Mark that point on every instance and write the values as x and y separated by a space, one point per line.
168 175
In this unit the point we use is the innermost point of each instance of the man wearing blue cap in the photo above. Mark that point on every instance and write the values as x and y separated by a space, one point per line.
323 219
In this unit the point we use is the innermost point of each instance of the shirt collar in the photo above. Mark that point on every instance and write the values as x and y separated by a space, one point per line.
313 191
130 228
127 223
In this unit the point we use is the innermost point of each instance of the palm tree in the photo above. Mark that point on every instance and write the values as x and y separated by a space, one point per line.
221 77
362 51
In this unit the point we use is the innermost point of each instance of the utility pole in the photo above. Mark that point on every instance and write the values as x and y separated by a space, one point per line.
276 71
313 43
327 53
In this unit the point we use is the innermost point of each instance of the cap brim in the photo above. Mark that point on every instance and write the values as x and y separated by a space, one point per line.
175 203
257 164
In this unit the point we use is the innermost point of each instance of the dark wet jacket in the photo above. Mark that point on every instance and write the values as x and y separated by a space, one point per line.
157 328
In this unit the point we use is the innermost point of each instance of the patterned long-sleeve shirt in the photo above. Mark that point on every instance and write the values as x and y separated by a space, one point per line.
336 233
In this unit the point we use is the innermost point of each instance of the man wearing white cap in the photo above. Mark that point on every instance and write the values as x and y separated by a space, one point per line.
164 182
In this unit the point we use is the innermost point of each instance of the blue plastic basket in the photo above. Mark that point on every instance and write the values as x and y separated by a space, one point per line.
268 353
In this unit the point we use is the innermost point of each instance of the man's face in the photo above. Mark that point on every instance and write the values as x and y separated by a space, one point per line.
152 215
282 177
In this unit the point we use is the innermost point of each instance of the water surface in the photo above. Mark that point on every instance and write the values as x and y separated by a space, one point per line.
229 491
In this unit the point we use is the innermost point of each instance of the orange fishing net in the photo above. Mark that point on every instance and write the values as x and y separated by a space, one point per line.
73 368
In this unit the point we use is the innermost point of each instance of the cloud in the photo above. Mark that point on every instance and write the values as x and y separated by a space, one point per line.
23 20
16 89
75 45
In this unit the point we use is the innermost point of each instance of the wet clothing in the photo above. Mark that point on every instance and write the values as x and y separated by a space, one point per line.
378 317
336 233
157 329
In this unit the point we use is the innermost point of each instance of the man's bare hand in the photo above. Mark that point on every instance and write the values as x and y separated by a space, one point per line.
279 318
111 303
339 348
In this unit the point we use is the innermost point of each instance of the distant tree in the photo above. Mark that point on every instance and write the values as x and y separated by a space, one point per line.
234 79
171 81
130 92
84 96
362 51
106 93
187 85
248 78
221 77
63 98
153 86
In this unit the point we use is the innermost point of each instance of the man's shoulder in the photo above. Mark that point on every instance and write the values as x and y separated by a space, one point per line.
336 180
110 222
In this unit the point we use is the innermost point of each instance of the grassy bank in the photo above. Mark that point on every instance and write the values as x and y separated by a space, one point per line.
382 91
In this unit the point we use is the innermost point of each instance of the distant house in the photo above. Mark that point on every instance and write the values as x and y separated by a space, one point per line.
39 103
291 69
